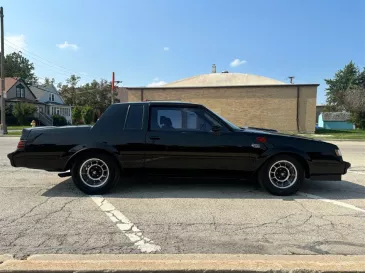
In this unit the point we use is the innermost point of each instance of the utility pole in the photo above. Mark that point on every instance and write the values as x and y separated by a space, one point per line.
3 116
113 86
291 79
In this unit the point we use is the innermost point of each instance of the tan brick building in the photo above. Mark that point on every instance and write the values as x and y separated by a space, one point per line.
243 99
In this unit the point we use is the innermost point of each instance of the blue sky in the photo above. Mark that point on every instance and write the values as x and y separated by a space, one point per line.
165 40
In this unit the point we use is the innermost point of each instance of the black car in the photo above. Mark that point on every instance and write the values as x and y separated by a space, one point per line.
175 138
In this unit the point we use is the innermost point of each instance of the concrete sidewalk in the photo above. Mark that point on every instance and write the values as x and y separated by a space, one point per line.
184 263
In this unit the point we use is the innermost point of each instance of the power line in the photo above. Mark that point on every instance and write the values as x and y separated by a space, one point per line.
46 62
43 64
35 56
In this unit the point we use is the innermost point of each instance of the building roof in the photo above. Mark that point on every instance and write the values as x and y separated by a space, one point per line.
336 116
223 79
38 92
50 88
9 82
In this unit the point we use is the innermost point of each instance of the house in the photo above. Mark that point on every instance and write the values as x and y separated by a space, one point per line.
54 103
46 99
335 120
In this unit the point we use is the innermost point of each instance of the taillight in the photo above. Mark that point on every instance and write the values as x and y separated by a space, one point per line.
21 144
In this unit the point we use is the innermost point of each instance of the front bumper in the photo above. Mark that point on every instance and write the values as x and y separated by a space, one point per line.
347 166
329 170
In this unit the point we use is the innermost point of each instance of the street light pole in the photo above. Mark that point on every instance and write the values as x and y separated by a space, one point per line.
3 116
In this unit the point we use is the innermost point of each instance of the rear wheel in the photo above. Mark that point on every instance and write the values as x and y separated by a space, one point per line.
95 173
282 175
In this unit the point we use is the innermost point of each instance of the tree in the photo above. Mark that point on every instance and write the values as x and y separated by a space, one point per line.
344 79
87 114
95 94
76 114
346 92
16 65
47 81
69 90
22 111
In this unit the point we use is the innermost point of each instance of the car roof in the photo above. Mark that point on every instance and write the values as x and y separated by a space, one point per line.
162 103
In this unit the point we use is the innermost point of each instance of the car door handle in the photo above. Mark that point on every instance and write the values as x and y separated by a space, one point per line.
154 137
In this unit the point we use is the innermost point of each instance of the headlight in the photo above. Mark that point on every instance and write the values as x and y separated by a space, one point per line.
338 152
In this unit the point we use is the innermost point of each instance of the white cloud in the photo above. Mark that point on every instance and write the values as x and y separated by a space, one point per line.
156 82
66 45
14 43
237 62
166 48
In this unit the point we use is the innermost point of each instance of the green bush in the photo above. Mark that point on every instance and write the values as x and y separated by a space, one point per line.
59 120
22 111
77 115
87 114
359 119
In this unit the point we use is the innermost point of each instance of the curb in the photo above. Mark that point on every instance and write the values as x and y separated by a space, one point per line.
186 263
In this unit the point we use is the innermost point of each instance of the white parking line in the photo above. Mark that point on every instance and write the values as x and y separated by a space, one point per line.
126 226
338 203
358 172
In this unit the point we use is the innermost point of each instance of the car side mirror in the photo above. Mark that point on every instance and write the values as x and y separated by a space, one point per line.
216 128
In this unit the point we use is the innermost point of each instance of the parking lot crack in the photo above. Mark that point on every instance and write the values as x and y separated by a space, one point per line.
28 212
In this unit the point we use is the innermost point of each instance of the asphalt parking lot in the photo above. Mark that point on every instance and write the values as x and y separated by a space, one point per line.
42 213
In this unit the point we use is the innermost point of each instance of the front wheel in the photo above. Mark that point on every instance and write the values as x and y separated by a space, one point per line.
95 173
281 175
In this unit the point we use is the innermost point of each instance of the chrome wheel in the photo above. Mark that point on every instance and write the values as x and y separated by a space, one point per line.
283 174
94 172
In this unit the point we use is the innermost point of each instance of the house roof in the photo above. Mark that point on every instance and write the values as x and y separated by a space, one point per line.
336 116
50 88
39 91
9 82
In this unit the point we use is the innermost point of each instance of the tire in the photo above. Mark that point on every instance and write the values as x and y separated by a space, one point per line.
103 168
281 167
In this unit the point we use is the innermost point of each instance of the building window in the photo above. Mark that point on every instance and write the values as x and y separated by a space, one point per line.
51 97
20 91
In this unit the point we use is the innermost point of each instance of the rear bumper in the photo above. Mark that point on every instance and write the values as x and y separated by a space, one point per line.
40 161
11 156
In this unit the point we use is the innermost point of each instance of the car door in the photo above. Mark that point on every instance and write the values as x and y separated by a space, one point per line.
181 138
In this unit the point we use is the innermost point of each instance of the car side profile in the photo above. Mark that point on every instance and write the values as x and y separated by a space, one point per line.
172 138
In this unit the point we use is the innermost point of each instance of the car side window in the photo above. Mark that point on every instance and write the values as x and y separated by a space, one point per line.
134 119
181 119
